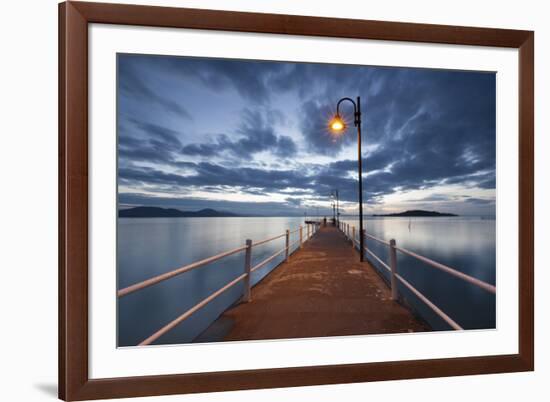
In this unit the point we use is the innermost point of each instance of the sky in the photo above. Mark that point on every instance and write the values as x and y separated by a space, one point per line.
251 137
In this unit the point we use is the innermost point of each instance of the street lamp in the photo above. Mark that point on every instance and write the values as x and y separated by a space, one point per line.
335 194
338 125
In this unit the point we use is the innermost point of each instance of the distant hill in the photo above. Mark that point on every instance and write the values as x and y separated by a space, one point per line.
156 212
418 212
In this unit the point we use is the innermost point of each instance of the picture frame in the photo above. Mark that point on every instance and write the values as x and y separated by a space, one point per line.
74 379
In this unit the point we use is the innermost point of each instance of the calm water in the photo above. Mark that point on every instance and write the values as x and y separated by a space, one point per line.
149 247
464 243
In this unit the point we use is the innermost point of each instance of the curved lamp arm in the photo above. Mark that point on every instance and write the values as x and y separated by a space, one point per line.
356 109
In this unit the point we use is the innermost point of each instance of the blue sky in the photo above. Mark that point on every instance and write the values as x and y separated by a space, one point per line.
251 137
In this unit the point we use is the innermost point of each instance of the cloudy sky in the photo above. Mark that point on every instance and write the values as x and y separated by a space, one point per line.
251 137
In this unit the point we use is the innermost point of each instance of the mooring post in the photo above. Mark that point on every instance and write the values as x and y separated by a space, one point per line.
393 266
287 244
301 237
247 266
353 236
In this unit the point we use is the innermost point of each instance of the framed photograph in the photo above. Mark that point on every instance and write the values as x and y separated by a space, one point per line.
260 200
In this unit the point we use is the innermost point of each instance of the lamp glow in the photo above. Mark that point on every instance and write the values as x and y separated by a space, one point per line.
337 124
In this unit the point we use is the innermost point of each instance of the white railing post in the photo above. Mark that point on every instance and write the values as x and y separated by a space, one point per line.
287 243
393 266
308 227
301 236
247 266
353 236
362 235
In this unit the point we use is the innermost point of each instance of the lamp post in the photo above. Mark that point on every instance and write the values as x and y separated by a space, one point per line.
337 207
337 124
335 194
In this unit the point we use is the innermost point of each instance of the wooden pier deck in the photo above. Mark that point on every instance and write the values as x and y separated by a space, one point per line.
323 290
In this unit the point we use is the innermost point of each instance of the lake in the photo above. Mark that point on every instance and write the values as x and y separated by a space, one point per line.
466 244
151 246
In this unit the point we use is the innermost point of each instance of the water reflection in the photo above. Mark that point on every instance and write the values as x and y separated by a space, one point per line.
464 243
149 247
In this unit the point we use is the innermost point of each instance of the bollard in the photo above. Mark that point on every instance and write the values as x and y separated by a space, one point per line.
301 239
393 266
353 236
287 244
247 266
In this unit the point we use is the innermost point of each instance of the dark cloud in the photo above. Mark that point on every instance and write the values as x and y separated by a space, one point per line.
248 78
131 83
254 135
152 142
210 174
421 127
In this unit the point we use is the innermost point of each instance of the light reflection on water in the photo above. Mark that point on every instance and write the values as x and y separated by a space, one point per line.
464 243
151 246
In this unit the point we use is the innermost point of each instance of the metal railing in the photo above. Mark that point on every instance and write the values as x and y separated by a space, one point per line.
311 229
395 277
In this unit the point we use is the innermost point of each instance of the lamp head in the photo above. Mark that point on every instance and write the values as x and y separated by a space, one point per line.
337 124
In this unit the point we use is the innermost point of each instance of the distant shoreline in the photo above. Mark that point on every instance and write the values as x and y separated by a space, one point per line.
158 212
417 213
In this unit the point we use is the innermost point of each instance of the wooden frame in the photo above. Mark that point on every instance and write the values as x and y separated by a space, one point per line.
74 382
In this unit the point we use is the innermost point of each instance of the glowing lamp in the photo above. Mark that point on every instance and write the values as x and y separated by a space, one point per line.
337 124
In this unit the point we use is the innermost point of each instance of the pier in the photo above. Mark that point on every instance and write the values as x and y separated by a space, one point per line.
323 290
319 288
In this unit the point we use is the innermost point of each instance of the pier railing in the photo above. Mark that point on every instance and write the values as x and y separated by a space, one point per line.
303 236
350 233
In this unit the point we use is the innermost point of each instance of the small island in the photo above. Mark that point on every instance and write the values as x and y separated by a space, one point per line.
418 212
156 212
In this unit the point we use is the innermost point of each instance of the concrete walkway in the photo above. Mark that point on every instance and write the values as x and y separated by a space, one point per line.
324 290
